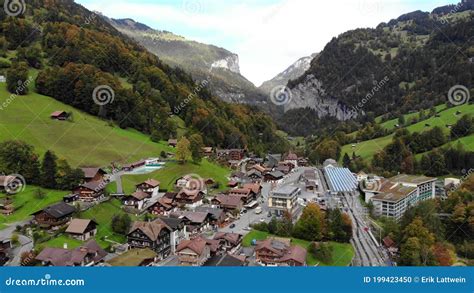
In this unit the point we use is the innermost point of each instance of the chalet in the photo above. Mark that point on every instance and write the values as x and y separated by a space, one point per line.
254 175
54 215
93 174
292 159
274 176
59 115
86 255
6 206
283 168
194 252
227 202
178 230
254 187
5 250
226 260
136 200
190 198
153 235
207 151
150 186
247 195
82 229
279 252
232 184
135 258
217 215
230 154
196 222
272 160
259 168
91 191
164 205
172 142
132 166
70 198
228 241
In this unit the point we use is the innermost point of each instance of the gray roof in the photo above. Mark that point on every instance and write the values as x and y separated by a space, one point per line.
286 190
58 210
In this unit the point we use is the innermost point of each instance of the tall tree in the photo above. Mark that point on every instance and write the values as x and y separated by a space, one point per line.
310 226
17 77
196 145
49 170
183 151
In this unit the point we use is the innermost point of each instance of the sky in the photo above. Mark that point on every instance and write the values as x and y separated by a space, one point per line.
268 35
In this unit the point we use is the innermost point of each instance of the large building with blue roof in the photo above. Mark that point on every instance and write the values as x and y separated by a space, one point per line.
340 179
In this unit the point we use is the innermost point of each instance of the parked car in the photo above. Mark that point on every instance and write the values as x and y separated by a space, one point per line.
232 226
258 210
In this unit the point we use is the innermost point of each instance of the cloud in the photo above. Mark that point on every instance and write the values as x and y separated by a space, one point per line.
268 35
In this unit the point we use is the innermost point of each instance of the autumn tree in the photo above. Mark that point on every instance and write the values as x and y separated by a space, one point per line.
183 151
17 76
417 242
311 225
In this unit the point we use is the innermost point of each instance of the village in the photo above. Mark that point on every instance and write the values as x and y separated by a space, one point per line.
199 223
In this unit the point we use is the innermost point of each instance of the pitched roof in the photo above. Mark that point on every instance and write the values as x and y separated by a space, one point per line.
255 187
79 226
197 245
58 113
172 223
233 238
151 182
196 217
91 172
150 229
296 253
58 210
65 257
94 185
228 200
140 195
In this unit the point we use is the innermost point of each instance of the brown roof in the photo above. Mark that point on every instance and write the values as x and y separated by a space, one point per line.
388 242
151 182
228 200
150 229
140 195
94 185
292 157
189 194
79 226
91 172
233 238
295 253
57 113
255 187
244 192
197 245
196 217
65 257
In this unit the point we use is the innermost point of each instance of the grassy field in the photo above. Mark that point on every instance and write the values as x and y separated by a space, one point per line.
26 203
87 141
59 242
342 253
367 149
103 214
172 171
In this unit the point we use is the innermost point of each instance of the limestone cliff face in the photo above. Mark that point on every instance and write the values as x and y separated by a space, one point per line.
311 94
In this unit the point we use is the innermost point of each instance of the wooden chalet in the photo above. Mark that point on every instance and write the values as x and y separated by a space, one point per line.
190 198
227 202
193 252
93 174
59 115
82 229
136 200
91 191
164 205
54 215
172 142
279 252
88 254
153 235
150 186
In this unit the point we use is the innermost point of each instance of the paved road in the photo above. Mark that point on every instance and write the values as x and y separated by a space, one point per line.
26 245
366 248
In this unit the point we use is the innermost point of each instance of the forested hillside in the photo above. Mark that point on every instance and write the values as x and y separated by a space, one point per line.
79 55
